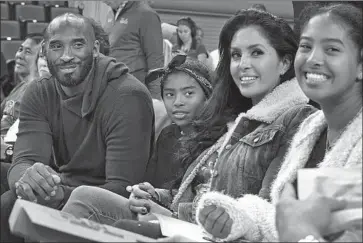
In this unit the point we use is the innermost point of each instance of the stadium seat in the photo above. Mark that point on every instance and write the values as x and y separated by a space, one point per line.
10 28
9 48
36 27
5 11
54 12
30 12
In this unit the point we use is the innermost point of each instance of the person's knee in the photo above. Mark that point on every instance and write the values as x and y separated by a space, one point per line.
8 200
7 203
81 193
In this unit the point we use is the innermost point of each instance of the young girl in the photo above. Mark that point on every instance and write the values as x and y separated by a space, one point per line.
256 80
185 86
187 42
328 66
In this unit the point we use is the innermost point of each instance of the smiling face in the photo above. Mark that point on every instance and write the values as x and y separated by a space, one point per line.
326 63
25 58
183 97
255 66
184 33
70 51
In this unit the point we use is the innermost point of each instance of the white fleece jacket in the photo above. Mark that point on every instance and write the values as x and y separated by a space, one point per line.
253 217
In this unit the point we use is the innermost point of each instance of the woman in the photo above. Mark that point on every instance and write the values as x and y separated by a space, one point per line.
255 80
185 86
328 66
187 42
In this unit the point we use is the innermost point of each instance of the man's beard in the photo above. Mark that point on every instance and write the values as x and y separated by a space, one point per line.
67 80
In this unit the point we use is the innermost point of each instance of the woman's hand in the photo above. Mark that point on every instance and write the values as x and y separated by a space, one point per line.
311 216
216 221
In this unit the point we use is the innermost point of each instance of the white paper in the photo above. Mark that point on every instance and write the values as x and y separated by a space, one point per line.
338 183
11 135
171 227
44 224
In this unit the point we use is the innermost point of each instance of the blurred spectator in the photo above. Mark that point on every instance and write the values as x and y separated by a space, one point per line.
187 42
199 35
169 32
26 71
136 39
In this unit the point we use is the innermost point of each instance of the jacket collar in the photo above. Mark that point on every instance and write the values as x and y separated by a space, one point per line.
346 152
281 99
273 105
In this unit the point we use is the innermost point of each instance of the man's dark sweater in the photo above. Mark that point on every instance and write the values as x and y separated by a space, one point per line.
102 137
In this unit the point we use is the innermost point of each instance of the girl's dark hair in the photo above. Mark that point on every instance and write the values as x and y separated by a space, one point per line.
193 31
343 13
196 66
226 101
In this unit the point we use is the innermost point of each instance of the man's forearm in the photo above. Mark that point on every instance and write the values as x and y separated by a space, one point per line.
16 172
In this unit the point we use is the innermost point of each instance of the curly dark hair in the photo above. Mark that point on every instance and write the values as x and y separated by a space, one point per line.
226 101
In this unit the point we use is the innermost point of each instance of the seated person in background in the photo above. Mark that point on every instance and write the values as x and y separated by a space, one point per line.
25 71
185 86
328 66
90 123
186 41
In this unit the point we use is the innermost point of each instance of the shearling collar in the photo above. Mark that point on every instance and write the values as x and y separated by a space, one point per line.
274 104
281 99
346 152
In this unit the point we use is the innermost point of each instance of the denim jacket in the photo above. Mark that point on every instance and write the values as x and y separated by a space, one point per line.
252 151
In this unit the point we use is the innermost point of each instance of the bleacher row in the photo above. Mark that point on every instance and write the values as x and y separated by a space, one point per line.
19 19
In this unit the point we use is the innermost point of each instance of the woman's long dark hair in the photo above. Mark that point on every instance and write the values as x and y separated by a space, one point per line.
226 101
193 31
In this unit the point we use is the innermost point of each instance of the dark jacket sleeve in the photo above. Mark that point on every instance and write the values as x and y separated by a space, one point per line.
34 139
128 139
152 39
293 118
152 45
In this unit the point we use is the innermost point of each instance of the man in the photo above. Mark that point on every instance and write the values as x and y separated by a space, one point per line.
90 123
136 38
25 71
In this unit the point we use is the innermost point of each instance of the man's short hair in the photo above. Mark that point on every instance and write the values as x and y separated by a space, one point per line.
99 33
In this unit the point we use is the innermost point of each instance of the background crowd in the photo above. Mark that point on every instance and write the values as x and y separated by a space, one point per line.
116 118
